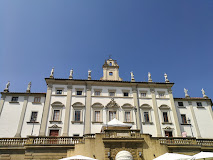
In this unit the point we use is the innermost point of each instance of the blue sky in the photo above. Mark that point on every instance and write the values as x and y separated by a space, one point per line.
144 36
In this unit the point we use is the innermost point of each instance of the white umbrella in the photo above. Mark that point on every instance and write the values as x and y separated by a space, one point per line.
78 157
203 155
173 156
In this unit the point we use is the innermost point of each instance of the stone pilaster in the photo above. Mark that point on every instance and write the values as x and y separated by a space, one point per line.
46 111
87 129
194 119
2 103
136 104
67 111
21 120
177 125
155 108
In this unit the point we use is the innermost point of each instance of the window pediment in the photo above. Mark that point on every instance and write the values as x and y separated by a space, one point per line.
112 104
126 105
57 104
97 105
146 106
164 106
78 105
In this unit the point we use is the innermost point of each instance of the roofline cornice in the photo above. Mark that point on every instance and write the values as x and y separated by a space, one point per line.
23 94
108 83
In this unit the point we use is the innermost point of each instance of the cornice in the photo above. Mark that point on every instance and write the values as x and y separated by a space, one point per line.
108 83
23 94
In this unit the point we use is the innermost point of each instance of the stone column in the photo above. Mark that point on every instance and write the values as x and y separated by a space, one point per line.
174 113
21 120
45 111
138 115
67 111
2 103
155 108
87 129
194 119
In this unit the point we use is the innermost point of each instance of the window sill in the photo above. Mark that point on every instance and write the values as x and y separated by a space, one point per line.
36 102
185 124
32 122
96 122
181 106
166 122
200 107
59 95
14 102
77 122
150 123
78 96
57 122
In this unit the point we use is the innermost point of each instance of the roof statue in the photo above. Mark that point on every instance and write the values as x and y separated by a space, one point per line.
7 87
89 74
52 73
29 87
186 92
71 74
149 77
132 77
203 92
166 78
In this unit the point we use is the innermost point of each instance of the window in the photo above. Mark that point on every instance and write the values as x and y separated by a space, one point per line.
183 118
165 117
110 63
143 94
168 133
127 116
110 73
14 99
112 115
97 93
33 117
199 104
56 115
79 93
146 117
161 94
37 99
59 91
76 135
180 103
111 94
77 116
97 116
126 94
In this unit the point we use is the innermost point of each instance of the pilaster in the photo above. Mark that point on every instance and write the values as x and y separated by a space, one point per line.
157 120
87 129
136 104
46 111
67 110
2 103
177 125
21 120
194 119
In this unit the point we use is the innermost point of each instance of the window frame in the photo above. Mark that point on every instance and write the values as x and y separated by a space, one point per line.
111 91
79 90
16 97
182 119
97 107
161 92
180 105
201 105
165 108
37 101
78 106
32 115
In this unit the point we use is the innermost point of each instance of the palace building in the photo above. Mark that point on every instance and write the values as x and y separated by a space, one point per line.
102 118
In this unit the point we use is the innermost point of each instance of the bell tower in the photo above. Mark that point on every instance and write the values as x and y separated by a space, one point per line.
111 70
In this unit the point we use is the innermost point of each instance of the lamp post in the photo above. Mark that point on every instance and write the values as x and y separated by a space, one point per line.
135 109
33 119
190 126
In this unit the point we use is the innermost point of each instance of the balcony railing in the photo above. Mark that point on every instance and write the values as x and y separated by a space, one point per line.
13 141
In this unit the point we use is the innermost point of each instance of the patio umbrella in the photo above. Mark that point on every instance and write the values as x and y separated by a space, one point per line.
78 157
203 155
173 156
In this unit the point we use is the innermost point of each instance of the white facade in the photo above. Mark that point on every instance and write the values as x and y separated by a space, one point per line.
76 107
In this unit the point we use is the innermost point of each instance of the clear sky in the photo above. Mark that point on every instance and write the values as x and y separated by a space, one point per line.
157 36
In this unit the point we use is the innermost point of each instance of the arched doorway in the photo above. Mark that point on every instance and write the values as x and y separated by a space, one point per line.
124 155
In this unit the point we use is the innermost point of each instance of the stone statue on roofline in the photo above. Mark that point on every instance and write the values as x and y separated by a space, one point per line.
203 92
71 74
166 78
7 87
132 76
29 87
52 73
186 93
89 74
149 77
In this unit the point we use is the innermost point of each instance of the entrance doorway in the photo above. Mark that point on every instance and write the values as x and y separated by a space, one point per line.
54 133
